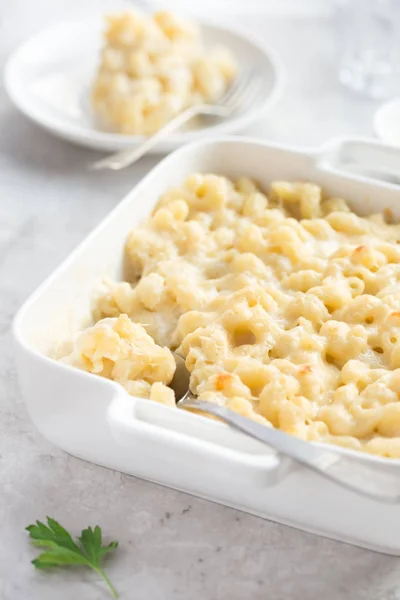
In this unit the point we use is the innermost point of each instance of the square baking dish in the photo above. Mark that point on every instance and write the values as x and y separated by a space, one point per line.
96 420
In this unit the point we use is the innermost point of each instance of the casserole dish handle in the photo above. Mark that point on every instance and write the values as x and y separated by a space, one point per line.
360 157
170 437
356 471
167 438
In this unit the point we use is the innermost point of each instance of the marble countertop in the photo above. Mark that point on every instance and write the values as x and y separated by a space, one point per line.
172 546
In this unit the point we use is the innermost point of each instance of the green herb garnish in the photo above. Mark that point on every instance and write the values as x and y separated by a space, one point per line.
62 550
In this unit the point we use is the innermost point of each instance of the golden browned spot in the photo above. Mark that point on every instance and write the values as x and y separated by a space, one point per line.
396 313
306 369
360 249
222 381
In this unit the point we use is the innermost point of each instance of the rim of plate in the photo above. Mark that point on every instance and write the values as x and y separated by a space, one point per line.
107 140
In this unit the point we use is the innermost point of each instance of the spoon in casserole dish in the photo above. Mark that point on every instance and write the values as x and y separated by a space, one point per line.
356 473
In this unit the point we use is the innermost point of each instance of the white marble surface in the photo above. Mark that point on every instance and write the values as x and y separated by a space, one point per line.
172 547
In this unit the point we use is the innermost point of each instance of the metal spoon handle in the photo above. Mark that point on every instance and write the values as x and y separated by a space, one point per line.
359 474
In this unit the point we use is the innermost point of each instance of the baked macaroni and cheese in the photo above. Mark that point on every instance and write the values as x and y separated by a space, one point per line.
286 307
154 67
121 350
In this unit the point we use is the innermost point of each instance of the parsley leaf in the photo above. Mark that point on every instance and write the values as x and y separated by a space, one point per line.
61 549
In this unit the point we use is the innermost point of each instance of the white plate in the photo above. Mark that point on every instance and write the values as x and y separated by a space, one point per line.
49 79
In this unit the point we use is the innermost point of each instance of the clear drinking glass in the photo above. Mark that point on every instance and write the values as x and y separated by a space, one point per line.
369 46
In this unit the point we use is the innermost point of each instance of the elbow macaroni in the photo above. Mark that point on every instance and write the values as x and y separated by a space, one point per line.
286 307
153 68
122 351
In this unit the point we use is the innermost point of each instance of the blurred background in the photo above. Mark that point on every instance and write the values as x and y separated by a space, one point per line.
342 56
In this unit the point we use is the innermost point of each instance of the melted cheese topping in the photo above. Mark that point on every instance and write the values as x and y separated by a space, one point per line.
286 307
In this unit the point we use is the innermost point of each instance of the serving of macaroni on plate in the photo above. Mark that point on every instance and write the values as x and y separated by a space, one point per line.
285 305
154 67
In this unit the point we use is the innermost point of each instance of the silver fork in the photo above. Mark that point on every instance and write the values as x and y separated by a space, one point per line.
355 472
238 97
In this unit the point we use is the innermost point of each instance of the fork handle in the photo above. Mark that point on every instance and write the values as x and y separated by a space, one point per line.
124 158
361 474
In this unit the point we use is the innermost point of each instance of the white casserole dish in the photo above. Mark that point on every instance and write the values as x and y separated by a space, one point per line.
96 420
